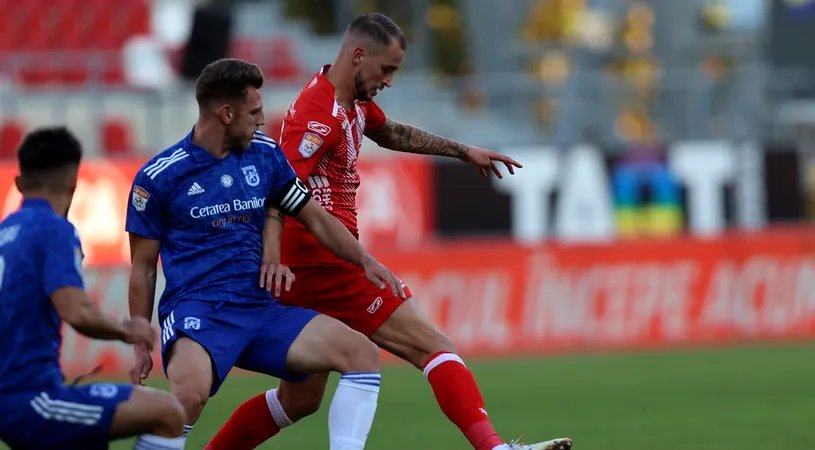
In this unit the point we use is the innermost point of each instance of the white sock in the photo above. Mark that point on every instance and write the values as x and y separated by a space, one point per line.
352 410
502 447
276 408
150 442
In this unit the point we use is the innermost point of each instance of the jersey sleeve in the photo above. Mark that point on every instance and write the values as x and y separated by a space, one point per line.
375 118
63 258
145 210
306 137
287 192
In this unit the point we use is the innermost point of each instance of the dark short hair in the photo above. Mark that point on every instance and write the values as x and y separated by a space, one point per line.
227 79
47 149
378 27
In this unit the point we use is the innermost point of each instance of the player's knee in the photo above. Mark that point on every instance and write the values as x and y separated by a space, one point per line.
442 343
358 355
172 416
192 401
429 345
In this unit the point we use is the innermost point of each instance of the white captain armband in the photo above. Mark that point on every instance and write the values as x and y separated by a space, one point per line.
291 199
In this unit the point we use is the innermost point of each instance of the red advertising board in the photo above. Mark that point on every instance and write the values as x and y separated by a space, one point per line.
500 298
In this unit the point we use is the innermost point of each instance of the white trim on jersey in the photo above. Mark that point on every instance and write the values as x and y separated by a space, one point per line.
294 199
62 411
263 137
162 163
274 145
336 111
270 142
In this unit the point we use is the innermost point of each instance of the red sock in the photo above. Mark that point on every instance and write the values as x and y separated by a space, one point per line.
460 399
249 426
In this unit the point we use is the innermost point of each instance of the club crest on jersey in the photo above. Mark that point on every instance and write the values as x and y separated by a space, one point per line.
318 127
192 323
104 390
140 198
310 144
250 173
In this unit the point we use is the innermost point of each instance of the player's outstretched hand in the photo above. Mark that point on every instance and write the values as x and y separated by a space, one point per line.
142 365
485 161
277 276
382 276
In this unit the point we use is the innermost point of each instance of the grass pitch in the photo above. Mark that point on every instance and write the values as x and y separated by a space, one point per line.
724 399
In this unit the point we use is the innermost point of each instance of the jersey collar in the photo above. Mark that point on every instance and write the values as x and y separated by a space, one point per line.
323 80
198 153
36 203
201 154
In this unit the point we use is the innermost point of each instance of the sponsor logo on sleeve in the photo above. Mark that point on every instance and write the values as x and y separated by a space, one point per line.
140 198
310 144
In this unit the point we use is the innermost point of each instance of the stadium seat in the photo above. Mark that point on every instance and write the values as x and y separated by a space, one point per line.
273 126
116 137
56 29
12 133
285 67
276 57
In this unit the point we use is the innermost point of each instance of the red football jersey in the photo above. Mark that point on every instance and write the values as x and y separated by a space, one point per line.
321 140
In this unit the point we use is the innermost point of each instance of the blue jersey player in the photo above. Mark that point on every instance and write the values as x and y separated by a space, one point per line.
40 287
201 207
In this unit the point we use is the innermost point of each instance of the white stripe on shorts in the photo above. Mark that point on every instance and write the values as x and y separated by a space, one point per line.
63 411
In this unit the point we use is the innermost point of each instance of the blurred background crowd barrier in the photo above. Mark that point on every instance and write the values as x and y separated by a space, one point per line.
669 151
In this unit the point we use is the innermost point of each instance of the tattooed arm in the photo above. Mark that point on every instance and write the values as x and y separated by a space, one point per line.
405 138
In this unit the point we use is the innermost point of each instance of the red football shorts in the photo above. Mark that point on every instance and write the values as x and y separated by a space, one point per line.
342 291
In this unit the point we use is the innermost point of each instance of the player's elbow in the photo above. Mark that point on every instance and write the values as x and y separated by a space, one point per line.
143 275
85 318
74 307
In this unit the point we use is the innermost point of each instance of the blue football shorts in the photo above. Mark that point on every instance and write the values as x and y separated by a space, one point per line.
250 336
62 417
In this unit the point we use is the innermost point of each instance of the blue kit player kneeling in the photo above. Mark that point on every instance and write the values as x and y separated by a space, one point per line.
201 205
40 287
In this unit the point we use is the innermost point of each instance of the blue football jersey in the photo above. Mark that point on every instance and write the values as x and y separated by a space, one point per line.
208 214
40 253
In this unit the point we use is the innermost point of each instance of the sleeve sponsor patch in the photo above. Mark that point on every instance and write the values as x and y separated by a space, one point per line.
140 198
78 258
310 144
320 128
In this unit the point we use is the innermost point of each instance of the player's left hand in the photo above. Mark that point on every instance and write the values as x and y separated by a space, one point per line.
485 161
277 276
383 277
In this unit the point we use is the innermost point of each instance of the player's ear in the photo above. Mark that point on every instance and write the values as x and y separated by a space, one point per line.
227 113
19 183
358 56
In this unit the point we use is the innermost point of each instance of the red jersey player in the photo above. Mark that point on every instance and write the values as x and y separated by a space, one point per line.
321 137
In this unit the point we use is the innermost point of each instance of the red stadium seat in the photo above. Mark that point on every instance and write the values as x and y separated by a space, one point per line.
273 126
116 137
285 64
12 133
48 26
275 57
